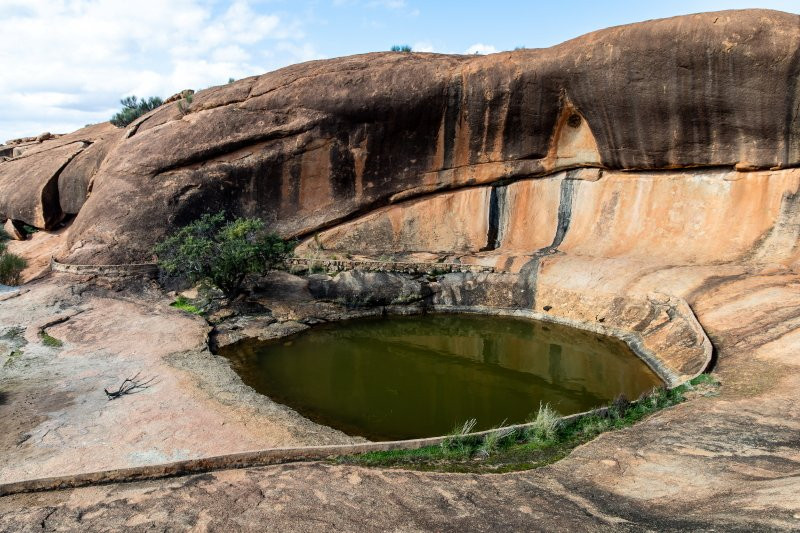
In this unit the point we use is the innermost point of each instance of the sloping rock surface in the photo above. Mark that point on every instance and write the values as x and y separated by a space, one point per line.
46 180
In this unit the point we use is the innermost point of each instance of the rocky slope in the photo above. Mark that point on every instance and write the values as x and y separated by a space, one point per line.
313 145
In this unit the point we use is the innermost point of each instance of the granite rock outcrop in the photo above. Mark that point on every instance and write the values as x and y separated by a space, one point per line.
314 145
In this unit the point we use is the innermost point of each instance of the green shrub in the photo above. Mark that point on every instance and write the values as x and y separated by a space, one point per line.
317 269
133 108
401 48
183 104
493 441
222 252
29 230
11 265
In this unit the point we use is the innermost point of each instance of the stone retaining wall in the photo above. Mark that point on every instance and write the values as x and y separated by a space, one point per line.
407 267
294 264
146 269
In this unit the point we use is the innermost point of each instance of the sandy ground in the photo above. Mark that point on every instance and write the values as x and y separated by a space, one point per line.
56 419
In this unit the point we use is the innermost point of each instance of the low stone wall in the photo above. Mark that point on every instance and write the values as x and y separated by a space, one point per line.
143 269
406 267
662 329
239 460
294 264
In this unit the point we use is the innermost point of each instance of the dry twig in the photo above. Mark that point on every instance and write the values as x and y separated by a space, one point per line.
129 386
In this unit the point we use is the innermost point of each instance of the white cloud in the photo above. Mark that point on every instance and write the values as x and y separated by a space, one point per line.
422 46
301 52
67 63
480 48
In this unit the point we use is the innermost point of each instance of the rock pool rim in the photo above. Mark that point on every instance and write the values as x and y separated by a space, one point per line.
273 456
255 458
420 375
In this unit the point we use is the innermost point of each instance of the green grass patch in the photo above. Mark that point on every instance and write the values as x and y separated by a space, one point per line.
317 269
547 439
13 356
49 340
183 304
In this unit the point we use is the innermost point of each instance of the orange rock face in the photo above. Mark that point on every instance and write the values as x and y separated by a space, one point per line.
673 217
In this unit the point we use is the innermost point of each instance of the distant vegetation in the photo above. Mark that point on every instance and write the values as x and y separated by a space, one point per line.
185 102
11 265
401 48
133 108
222 252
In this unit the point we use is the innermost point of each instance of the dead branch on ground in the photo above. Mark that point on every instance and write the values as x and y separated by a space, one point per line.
129 386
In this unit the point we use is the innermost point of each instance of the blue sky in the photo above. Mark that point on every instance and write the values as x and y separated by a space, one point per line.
66 63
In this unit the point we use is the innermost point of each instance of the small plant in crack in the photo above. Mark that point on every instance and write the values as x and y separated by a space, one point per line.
12 357
49 340
182 303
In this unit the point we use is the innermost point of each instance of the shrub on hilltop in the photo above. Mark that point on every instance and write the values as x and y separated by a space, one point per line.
133 108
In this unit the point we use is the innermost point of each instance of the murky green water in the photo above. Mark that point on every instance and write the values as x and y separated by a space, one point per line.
419 376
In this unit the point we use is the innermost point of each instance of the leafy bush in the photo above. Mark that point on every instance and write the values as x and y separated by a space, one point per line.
29 230
401 48
222 252
11 265
133 108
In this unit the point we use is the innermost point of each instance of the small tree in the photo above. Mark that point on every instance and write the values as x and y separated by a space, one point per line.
222 252
11 265
132 108
401 48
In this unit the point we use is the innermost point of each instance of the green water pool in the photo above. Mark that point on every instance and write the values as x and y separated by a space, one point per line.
402 377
